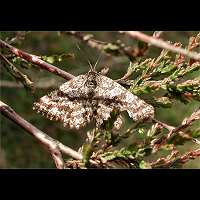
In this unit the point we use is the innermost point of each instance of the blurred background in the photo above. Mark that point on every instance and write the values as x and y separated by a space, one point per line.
17 148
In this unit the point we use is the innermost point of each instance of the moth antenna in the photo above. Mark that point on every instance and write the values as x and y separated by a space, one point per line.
85 56
78 47
91 67
98 59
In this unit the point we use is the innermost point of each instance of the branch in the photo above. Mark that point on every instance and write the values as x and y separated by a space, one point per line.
172 160
164 125
190 155
40 84
185 123
161 44
53 146
25 80
157 143
113 49
37 61
87 39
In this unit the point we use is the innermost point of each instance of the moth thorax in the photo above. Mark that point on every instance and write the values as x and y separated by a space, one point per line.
91 82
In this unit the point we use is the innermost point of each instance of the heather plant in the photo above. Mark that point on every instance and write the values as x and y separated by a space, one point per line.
162 81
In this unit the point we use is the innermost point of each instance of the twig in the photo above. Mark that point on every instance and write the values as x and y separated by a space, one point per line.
156 144
161 44
190 155
168 127
106 47
157 34
172 160
37 61
165 162
86 38
41 84
25 80
186 122
53 146
196 141
10 84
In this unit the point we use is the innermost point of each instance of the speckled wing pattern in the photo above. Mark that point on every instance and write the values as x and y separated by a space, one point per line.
79 101
65 104
117 97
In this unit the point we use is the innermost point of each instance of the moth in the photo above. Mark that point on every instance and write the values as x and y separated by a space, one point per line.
91 97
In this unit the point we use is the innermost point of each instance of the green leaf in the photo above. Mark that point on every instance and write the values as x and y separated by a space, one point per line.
196 133
57 58
163 102
144 165
87 152
168 68
122 153
111 48
143 89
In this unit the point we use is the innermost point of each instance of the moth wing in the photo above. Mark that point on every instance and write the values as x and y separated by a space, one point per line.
120 98
74 87
55 106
